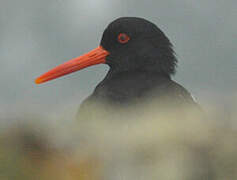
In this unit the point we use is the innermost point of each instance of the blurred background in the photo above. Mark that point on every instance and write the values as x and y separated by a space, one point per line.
38 35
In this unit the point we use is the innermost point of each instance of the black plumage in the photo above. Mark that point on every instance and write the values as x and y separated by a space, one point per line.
141 69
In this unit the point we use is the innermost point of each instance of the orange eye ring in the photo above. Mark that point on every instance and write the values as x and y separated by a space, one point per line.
123 38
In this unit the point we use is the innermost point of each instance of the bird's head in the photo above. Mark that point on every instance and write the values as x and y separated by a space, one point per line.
128 44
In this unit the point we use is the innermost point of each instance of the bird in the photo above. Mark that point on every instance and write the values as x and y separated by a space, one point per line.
142 62
137 109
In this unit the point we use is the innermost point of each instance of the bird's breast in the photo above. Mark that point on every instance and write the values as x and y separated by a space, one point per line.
129 88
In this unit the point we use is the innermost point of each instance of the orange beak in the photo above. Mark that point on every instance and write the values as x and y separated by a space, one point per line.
96 56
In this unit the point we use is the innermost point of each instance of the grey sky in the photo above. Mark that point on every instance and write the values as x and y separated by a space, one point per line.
37 35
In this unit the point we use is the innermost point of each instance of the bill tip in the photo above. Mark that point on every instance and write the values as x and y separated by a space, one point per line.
38 81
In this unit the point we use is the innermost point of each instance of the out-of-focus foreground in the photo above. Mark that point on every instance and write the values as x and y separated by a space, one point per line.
159 147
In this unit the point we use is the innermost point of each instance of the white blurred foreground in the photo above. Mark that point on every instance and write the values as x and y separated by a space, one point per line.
147 145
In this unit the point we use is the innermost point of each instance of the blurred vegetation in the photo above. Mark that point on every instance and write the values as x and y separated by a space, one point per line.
140 144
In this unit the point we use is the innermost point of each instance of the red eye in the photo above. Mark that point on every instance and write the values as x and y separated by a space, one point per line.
123 38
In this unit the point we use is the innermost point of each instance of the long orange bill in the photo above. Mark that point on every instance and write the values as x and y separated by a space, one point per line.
96 56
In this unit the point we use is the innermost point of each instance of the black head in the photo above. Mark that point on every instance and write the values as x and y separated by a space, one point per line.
128 44
136 44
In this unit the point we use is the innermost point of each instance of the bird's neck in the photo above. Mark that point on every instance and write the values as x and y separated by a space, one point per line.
129 86
136 74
